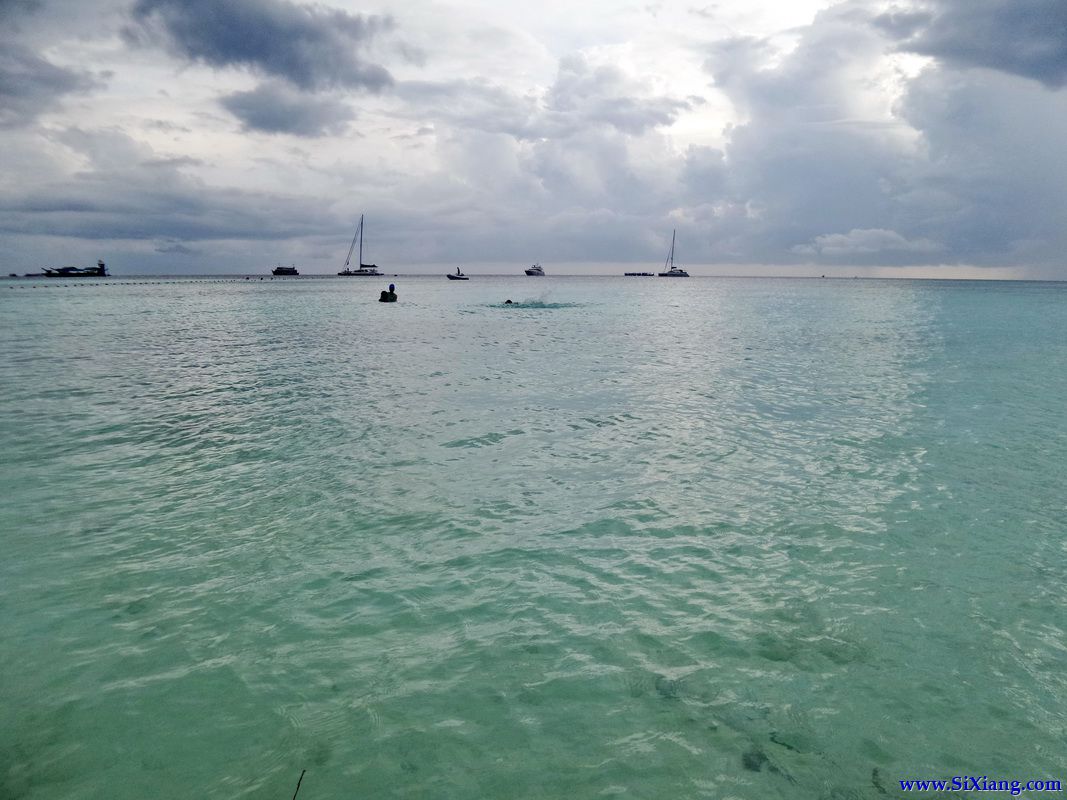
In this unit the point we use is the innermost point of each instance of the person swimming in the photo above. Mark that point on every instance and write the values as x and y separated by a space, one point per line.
388 295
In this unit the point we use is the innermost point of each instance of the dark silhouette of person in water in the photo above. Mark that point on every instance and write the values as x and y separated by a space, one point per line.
508 303
388 295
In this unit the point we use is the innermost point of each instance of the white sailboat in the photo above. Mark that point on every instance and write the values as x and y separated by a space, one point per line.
673 271
364 269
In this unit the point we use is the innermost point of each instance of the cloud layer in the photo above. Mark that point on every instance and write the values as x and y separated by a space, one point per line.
917 133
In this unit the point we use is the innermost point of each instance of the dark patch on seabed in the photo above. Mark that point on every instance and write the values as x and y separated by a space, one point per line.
876 781
667 688
759 740
753 760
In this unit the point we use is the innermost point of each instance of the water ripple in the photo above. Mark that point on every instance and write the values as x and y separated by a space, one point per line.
741 538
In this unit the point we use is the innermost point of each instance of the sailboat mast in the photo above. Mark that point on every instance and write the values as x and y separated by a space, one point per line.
670 256
351 247
361 241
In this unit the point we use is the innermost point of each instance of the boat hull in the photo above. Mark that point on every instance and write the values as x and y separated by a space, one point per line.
81 273
99 271
457 277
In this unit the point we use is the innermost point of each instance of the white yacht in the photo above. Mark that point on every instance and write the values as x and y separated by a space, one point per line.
536 271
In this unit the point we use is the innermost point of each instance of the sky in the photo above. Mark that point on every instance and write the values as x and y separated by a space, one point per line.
898 138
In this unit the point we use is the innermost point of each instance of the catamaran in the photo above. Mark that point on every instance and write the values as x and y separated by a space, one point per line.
364 269
673 272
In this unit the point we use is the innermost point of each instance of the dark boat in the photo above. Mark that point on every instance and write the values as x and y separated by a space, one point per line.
284 271
673 272
459 276
639 274
99 271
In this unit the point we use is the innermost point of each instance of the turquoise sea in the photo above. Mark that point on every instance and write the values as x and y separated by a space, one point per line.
723 538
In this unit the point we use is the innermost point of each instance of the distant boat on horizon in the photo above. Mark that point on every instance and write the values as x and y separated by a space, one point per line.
458 276
536 271
673 271
280 270
364 269
640 274
99 271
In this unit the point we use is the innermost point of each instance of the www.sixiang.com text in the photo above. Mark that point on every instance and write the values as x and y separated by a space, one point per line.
973 783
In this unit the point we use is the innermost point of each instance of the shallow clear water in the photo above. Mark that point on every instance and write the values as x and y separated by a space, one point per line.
711 538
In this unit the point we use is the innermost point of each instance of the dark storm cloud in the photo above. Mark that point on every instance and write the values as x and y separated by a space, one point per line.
1021 37
31 85
116 207
313 47
991 185
128 193
11 9
275 108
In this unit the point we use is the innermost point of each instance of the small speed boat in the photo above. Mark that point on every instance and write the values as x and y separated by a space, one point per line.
458 276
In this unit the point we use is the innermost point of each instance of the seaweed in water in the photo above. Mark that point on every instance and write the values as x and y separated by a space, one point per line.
876 781
753 760
778 741
668 688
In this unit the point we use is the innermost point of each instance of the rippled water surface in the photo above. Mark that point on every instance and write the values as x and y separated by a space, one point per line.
625 537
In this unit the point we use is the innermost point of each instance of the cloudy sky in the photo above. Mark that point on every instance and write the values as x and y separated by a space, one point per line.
777 136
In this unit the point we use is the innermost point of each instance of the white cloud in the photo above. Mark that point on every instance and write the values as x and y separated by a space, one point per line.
864 242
